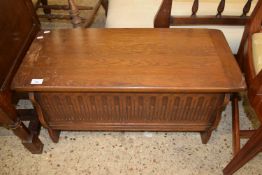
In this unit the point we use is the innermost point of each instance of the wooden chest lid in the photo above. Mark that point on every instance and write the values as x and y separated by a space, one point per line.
125 60
18 27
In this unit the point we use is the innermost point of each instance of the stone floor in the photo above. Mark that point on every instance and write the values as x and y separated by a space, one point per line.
126 153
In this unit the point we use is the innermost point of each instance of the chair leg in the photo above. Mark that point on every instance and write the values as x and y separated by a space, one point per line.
105 5
46 10
249 150
74 13
9 116
89 20
235 124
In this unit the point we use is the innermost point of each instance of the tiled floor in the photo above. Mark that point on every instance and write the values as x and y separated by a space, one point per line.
107 153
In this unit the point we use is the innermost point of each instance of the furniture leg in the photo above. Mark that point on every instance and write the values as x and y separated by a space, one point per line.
105 5
235 125
54 135
46 10
249 150
9 117
91 18
205 136
74 13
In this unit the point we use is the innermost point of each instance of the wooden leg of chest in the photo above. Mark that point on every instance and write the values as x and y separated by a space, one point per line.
8 116
205 136
54 134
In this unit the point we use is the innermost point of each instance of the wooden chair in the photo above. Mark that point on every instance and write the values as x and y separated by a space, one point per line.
18 29
73 9
249 56
165 19
228 16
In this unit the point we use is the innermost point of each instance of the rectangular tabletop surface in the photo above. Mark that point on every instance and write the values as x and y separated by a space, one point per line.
126 60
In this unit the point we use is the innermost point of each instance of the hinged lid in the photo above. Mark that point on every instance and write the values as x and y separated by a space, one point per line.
18 27
137 60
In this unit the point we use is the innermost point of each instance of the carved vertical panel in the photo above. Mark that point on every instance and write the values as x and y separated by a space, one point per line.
129 107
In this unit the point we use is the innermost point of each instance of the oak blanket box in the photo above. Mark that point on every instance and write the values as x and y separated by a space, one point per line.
129 79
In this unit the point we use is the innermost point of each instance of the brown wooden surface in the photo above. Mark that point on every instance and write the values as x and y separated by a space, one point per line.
254 91
129 111
164 18
18 27
131 60
17 30
130 79
253 26
249 151
132 111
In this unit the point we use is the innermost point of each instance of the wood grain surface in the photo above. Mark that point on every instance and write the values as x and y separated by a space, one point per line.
145 60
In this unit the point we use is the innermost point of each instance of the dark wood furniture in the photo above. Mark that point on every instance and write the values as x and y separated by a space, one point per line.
74 12
130 79
254 82
164 19
17 30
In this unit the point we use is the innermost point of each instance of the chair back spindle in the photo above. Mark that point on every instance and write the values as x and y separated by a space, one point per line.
195 19
195 8
246 8
220 8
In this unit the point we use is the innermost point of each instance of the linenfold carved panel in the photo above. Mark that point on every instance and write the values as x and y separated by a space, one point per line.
129 107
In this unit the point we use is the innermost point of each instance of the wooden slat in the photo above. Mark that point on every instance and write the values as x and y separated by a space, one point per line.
53 16
208 20
64 7
246 133
26 114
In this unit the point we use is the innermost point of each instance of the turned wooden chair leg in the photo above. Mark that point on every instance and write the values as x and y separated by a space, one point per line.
249 150
46 10
74 13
